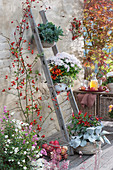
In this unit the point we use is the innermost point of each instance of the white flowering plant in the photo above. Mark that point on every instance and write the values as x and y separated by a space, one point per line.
64 68
19 144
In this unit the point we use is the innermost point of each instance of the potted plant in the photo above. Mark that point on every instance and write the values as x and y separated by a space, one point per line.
64 69
109 81
86 133
49 34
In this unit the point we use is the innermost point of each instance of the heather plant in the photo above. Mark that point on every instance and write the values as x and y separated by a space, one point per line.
53 164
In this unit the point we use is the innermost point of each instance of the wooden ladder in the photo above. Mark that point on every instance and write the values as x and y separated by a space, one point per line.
48 77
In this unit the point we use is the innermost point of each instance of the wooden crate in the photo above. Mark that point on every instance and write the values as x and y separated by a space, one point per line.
105 101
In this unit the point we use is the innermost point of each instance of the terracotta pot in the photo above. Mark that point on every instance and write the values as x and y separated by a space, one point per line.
89 149
61 87
110 86
45 44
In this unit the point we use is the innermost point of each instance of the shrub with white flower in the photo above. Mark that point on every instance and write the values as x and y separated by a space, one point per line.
64 68
19 144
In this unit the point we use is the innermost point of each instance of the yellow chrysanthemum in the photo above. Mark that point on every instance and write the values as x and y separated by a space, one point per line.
110 110
110 106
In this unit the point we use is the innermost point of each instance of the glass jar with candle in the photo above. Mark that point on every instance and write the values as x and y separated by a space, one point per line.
94 82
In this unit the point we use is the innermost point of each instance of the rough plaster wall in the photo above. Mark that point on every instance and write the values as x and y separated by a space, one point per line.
61 13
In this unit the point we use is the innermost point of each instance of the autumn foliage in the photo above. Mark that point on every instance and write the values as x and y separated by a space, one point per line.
98 34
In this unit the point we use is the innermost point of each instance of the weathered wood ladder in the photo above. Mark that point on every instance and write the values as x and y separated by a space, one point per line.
48 77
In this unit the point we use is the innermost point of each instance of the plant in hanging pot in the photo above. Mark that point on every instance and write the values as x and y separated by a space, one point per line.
64 69
86 133
49 34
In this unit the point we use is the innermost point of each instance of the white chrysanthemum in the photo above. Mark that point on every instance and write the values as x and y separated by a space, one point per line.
58 59
11 152
28 149
72 65
66 66
6 136
25 152
8 141
39 163
33 147
16 150
14 120
23 161
12 113
16 130
25 167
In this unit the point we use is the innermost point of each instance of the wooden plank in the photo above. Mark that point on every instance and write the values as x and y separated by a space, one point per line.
73 102
55 50
48 77
105 156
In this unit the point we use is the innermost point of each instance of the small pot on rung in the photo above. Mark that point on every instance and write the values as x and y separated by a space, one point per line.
60 87
45 44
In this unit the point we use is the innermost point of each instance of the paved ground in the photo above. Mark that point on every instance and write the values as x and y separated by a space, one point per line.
101 161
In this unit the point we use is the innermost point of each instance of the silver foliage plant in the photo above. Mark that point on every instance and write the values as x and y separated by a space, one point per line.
90 134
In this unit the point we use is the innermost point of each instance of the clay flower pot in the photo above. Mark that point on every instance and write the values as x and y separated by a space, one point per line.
45 44
89 149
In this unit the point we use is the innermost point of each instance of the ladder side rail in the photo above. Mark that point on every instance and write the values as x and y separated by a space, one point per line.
73 102
48 76
44 19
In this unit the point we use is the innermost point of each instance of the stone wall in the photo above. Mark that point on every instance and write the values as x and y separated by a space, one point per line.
61 13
